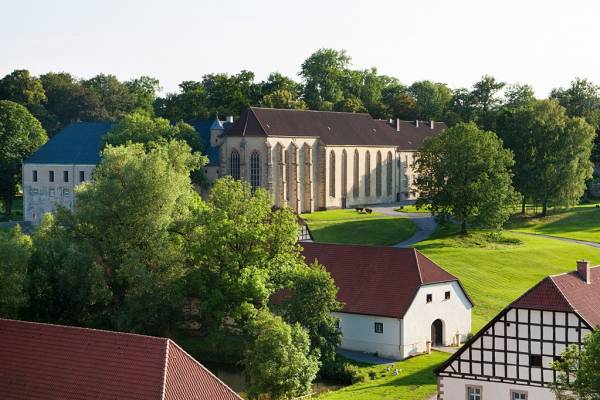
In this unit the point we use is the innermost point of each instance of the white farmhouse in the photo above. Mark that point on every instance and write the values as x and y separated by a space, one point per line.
395 300
510 357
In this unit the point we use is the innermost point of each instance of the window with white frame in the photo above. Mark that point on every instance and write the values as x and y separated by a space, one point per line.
518 395
474 392
378 327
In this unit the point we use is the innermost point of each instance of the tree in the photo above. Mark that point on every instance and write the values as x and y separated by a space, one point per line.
552 152
399 102
465 173
312 299
323 73
431 99
578 371
230 94
279 362
15 248
20 87
517 95
20 135
115 97
282 99
191 103
276 82
144 90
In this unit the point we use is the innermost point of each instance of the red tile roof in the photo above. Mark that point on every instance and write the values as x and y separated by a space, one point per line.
333 128
566 292
376 280
52 362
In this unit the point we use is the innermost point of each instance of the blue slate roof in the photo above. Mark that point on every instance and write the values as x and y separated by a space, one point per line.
203 127
78 143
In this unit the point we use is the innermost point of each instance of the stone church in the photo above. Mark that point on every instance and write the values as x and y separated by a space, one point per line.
317 160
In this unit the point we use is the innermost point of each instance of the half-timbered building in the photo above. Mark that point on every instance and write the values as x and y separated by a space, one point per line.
510 358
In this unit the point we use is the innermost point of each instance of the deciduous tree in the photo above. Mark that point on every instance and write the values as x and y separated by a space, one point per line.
15 248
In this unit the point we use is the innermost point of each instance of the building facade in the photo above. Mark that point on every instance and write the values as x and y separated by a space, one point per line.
510 358
315 160
397 302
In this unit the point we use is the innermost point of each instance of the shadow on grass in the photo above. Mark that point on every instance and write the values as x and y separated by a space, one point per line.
375 231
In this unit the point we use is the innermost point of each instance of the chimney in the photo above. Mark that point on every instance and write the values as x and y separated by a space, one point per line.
431 124
397 124
583 270
417 123
230 119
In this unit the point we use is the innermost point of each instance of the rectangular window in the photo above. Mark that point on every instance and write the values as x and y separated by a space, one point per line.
81 176
34 175
66 193
51 192
65 176
518 395
51 176
378 327
474 392
429 298
447 295
535 360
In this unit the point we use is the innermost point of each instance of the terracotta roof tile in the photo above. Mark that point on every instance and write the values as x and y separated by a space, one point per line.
375 280
51 362
333 128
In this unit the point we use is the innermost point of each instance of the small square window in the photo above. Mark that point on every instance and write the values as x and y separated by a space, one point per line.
535 360
51 176
81 176
473 392
429 298
34 175
65 176
447 295
378 327
518 395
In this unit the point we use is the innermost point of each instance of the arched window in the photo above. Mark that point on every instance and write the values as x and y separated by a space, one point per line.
368 174
332 174
378 175
389 174
344 173
255 170
234 164
355 188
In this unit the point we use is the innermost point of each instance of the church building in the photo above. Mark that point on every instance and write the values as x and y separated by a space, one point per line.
317 160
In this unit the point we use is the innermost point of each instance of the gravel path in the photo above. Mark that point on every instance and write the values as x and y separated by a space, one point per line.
424 221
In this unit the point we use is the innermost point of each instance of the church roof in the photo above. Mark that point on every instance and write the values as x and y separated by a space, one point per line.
216 124
333 128
376 280
48 362
78 143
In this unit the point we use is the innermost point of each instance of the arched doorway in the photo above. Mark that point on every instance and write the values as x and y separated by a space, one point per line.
437 333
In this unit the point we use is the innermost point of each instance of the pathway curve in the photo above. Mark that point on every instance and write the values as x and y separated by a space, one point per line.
564 239
425 223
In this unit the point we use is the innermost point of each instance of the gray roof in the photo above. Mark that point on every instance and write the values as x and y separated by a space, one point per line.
203 127
78 143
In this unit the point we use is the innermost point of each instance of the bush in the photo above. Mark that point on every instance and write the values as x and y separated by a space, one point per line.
342 371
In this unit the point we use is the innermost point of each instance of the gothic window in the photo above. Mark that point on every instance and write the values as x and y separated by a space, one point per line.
355 189
234 164
344 173
367 174
255 170
378 175
332 174
389 174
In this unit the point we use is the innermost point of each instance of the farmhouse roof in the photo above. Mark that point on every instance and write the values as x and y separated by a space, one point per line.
78 143
51 362
376 280
333 128
566 292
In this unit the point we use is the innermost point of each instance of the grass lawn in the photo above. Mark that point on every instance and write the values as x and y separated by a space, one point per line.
348 226
494 274
17 210
411 208
581 222
415 381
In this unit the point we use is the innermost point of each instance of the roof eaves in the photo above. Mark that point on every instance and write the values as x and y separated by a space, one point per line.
165 370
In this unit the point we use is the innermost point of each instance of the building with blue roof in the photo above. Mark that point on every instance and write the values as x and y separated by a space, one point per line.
51 174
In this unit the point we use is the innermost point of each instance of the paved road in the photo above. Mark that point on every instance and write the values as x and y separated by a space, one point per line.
424 221
563 239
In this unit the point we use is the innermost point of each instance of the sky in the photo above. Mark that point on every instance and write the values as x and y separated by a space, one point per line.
544 43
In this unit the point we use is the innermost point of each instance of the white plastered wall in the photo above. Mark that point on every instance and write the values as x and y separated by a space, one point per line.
456 389
358 333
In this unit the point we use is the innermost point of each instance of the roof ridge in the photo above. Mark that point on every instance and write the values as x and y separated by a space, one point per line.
165 369
418 266
257 120
203 368
360 245
313 111
81 328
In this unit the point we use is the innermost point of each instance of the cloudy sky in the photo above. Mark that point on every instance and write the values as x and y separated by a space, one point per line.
545 43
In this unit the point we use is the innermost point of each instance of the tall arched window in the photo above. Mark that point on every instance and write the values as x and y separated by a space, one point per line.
234 164
389 174
344 174
255 169
355 187
368 174
332 174
378 175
